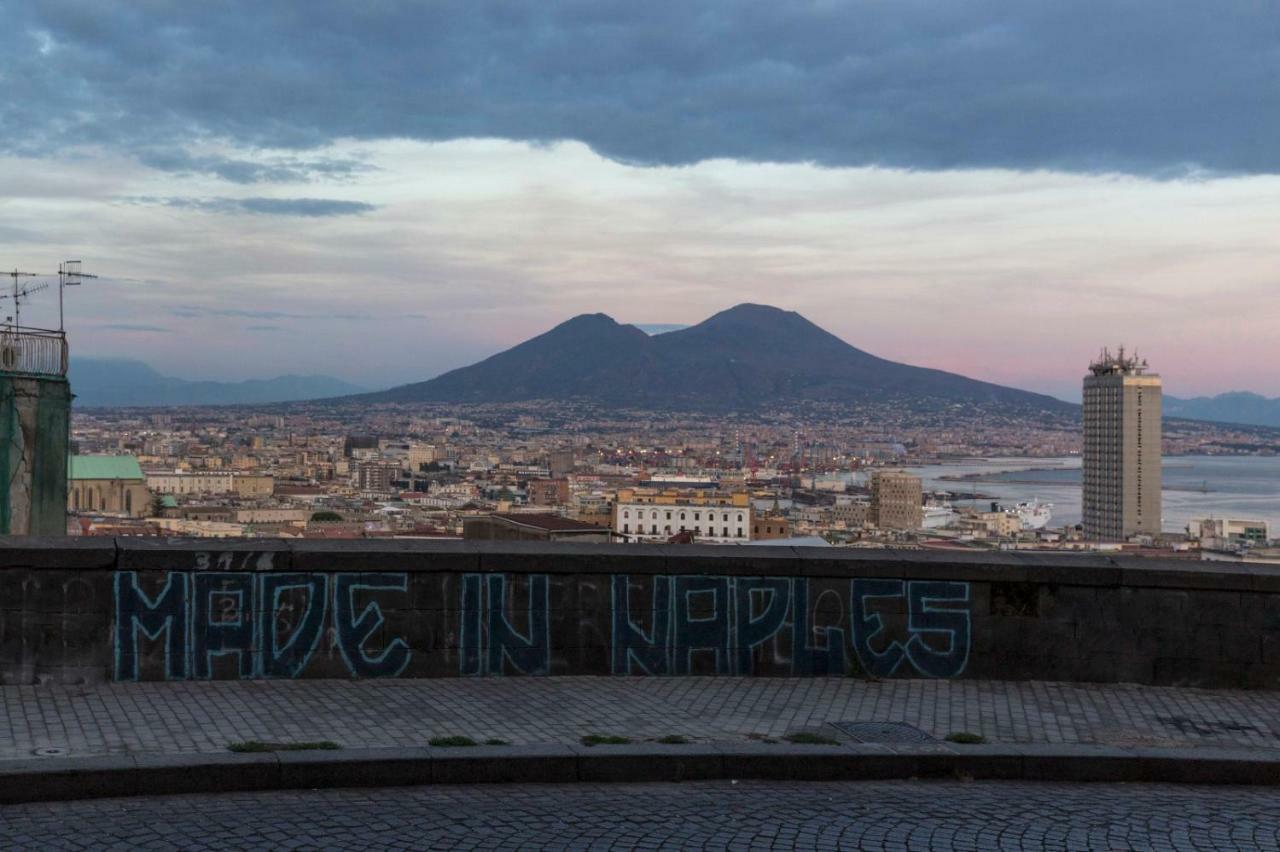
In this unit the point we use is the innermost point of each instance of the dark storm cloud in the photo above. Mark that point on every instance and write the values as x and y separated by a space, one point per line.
309 207
1143 86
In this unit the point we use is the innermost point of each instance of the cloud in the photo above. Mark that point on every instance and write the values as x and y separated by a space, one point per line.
308 207
274 169
128 326
1148 87
196 312
262 328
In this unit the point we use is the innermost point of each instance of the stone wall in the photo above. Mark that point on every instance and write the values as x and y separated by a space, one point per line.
34 419
131 609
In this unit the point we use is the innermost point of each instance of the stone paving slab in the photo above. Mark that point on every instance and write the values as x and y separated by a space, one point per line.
178 718
752 815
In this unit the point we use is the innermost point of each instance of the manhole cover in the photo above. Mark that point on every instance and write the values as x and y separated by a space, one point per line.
49 751
883 732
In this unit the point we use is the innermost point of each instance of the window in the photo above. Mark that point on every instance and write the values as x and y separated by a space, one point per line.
626 513
739 517
682 516
626 528
654 529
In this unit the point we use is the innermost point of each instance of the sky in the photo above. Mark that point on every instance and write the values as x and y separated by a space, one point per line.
383 191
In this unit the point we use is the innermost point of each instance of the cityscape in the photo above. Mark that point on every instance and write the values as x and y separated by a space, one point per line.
819 473
581 425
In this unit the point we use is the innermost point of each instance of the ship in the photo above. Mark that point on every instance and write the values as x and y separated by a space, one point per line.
1034 515
939 515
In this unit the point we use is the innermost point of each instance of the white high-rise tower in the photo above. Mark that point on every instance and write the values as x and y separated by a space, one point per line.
1122 437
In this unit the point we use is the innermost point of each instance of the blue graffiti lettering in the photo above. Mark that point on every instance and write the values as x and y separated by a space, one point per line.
287 656
708 632
164 615
949 622
354 632
498 645
222 621
761 605
923 618
808 658
650 652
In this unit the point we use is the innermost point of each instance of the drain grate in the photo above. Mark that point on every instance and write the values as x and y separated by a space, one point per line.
49 751
883 732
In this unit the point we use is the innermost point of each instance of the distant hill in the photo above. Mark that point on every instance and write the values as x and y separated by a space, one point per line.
739 359
1234 407
107 383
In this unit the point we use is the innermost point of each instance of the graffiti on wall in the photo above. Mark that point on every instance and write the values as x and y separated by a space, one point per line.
490 644
270 624
731 620
251 624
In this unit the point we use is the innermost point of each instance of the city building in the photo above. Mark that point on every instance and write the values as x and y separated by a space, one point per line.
560 463
1122 435
992 524
1232 533
210 482
375 476
108 485
547 492
770 526
897 500
715 518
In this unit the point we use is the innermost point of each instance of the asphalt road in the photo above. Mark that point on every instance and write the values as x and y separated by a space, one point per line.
898 815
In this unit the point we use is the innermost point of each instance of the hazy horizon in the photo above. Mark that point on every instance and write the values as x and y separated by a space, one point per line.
1068 394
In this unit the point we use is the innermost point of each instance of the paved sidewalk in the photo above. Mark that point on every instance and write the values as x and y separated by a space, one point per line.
160 718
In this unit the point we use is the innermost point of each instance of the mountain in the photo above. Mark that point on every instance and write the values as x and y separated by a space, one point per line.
109 382
747 356
1235 407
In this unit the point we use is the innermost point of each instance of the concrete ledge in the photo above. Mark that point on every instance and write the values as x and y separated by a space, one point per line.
54 779
184 554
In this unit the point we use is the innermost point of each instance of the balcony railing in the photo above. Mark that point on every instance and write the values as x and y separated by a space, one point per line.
33 351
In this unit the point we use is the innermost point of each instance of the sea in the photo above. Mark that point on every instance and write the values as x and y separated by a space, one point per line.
1194 486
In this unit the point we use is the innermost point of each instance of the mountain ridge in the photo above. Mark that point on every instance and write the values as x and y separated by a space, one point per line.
1244 407
126 382
742 357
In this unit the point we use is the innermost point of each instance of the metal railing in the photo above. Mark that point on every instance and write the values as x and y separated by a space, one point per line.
33 351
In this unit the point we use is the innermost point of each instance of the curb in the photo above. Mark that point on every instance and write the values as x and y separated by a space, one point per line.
65 778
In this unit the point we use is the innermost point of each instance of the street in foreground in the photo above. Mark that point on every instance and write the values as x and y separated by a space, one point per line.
714 815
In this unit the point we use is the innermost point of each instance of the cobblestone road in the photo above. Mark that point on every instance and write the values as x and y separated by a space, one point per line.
205 717
722 815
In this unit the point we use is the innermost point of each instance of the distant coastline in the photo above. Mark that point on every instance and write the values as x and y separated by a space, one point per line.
1001 479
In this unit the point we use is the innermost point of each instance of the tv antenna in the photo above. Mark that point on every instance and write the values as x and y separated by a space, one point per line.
69 275
21 293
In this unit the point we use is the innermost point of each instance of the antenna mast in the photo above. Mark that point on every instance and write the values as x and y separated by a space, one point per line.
69 275
21 293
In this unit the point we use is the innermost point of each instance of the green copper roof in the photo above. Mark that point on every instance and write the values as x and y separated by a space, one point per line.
103 467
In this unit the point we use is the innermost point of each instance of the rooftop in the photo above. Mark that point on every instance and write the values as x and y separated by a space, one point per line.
104 467
547 521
